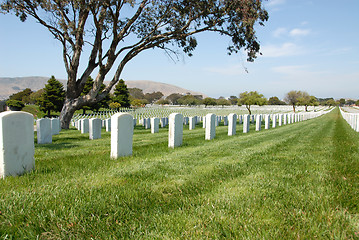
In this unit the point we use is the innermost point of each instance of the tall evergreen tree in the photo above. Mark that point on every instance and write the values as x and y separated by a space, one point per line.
121 94
53 97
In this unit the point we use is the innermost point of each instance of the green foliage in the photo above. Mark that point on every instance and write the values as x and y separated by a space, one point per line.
357 103
136 93
323 101
342 102
293 98
163 102
36 96
223 102
233 100
275 101
115 105
34 110
330 102
15 105
173 98
121 94
154 96
136 103
53 96
350 102
306 100
208 101
190 100
251 98
300 98
23 96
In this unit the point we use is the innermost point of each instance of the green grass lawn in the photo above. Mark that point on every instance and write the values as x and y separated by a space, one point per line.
298 181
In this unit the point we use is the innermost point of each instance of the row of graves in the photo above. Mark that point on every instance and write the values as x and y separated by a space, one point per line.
352 118
17 132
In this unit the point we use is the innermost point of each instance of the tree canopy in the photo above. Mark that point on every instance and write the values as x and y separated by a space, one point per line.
121 94
275 101
52 98
208 101
300 98
23 95
153 97
251 98
115 32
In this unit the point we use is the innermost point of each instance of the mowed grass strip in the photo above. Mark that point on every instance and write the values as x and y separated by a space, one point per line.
296 181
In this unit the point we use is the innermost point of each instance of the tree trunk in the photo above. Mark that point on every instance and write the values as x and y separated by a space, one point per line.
66 114
249 109
293 108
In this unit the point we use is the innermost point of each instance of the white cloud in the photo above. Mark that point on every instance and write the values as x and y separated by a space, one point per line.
279 32
297 32
286 49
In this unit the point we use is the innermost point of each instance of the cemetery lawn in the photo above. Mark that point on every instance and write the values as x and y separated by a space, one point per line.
298 181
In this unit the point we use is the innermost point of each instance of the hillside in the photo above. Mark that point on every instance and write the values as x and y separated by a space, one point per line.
9 86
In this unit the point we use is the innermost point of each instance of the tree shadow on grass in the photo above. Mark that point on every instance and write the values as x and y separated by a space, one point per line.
57 146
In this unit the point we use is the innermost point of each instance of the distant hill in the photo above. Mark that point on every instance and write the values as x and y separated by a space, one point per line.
9 86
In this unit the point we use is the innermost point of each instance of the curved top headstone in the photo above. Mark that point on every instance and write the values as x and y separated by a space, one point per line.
16 143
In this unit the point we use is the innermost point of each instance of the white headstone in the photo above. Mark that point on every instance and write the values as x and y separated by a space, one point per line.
163 122
280 119
192 123
175 130
185 120
258 122
232 123
43 129
16 143
285 119
246 120
121 135
210 126
95 125
267 121
155 124
147 122
225 121
84 125
55 129
274 121
240 117
108 125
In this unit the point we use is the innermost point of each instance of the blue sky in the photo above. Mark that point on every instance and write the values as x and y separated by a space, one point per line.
308 45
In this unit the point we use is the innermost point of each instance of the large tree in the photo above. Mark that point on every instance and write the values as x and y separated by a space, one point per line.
251 98
117 31
292 97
